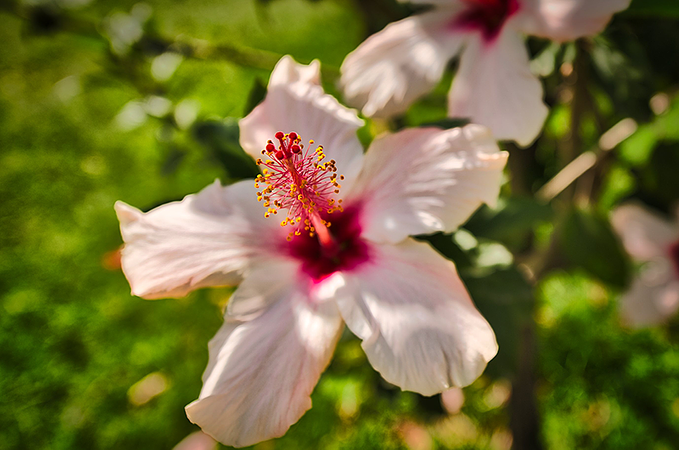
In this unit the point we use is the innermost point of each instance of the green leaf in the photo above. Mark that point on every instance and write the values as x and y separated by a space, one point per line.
637 150
588 241
505 299
445 244
662 8
221 139
446 123
172 161
256 96
658 180
511 222
618 183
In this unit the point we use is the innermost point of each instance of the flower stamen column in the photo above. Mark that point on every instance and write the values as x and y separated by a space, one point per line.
296 180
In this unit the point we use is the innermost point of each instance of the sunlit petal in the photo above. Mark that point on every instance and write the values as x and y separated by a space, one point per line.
426 180
419 327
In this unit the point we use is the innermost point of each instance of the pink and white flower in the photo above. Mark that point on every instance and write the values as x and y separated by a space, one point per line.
494 85
653 240
322 259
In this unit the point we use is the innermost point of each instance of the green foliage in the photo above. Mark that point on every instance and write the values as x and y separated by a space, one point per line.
512 222
637 150
506 300
221 138
662 8
603 387
585 234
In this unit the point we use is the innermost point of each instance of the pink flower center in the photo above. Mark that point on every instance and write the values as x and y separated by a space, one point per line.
324 236
487 16
350 251
674 256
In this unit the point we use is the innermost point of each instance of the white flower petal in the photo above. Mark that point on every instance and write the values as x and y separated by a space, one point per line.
495 87
396 66
196 441
262 372
644 234
567 20
207 239
260 285
419 327
426 180
296 102
648 304
288 72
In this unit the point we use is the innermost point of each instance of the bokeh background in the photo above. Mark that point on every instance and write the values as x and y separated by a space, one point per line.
107 100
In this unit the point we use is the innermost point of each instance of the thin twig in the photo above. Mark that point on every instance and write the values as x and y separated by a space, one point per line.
580 165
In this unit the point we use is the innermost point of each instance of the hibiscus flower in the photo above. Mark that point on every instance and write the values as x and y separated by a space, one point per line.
320 239
493 85
653 240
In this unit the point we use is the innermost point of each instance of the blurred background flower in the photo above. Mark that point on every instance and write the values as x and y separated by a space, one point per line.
494 85
653 241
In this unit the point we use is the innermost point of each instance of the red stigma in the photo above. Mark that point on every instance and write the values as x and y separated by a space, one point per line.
297 181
